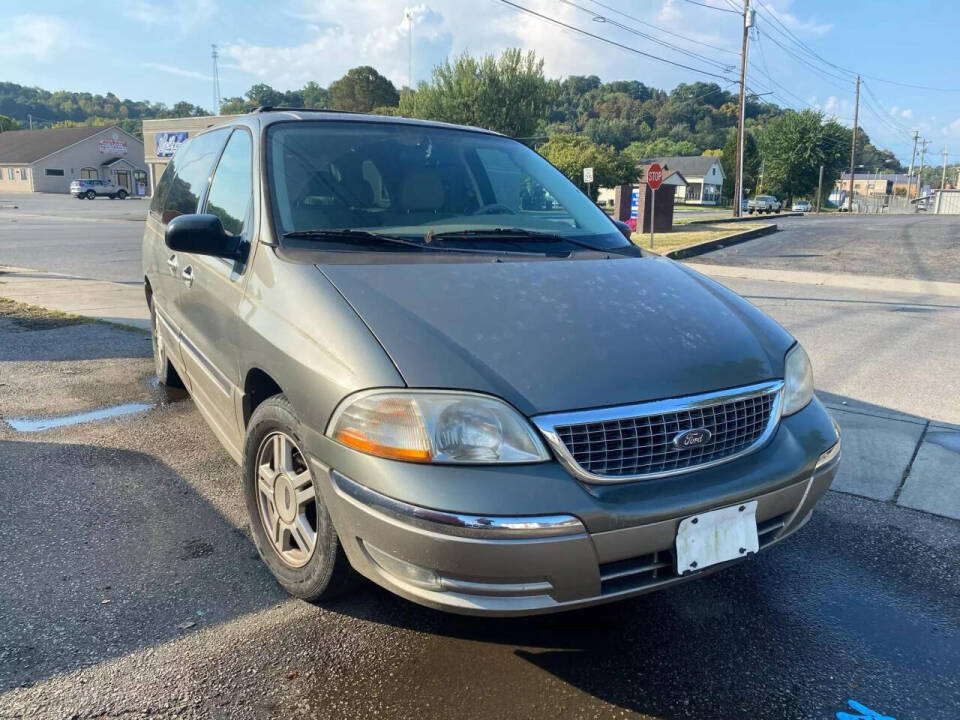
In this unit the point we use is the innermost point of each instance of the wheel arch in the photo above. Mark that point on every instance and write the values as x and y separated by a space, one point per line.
258 385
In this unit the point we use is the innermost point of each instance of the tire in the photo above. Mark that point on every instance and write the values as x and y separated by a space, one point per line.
166 373
322 573
90 195
122 195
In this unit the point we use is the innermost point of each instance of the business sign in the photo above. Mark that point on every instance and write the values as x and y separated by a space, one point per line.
168 142
588 175
654 176
634 201
113 145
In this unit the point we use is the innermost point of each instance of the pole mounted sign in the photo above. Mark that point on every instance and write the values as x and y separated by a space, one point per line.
654 180
588 175
654 176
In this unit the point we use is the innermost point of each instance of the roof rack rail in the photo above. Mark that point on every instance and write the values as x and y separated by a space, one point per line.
277 108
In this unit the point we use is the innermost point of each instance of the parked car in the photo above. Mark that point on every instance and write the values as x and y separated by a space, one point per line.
763 204
801 206
91 189
481 406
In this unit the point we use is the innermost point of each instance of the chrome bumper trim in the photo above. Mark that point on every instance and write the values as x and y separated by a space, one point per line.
478 526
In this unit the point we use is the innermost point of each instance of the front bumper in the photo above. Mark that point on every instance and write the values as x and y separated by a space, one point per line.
501 564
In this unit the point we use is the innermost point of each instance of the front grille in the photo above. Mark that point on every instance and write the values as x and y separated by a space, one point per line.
643 445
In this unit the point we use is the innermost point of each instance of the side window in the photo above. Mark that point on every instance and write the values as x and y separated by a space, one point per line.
231 191
191 168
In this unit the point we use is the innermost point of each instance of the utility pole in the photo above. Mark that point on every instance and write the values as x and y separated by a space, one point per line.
748 21
853 145
409 49
916 136
923 157
30 120
943 175
763 165
217 100
819 189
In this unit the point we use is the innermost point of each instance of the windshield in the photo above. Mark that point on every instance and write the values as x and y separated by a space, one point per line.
415 181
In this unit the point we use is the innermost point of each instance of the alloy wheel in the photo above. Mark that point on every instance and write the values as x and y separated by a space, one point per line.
286 499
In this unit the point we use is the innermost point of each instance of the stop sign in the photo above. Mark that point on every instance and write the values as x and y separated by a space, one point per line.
654 176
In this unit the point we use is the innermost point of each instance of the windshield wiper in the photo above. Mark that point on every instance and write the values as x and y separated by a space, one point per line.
366 237
521 234
351 236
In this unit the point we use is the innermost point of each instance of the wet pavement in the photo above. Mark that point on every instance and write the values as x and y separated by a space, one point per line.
130 588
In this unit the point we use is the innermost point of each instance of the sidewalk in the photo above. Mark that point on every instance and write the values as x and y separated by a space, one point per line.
98 299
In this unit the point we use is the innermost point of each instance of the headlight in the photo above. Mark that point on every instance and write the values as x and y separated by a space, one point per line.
797 380
435 427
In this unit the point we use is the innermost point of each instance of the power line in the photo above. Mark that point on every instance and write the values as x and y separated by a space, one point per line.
714 7
647 36
664 30
611 42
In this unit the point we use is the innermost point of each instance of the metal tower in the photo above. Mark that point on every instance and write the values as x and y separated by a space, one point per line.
216 80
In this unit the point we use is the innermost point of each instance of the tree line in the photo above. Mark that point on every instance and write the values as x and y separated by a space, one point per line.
575 122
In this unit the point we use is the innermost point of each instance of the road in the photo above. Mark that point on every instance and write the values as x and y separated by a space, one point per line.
900 246
97 239
130 587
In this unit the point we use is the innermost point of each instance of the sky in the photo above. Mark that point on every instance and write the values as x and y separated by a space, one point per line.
159 50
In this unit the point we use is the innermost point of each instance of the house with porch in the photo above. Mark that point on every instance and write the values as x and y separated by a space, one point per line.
703 175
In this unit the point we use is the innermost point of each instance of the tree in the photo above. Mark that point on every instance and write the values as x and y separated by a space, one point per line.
508 94
793 146
361 90
8 123
262 94
661 147
315 96
572 153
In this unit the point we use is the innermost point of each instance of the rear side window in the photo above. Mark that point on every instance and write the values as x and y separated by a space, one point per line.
189 168
231 190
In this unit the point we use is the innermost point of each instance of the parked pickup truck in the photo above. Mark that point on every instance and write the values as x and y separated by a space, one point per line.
90 189
763 204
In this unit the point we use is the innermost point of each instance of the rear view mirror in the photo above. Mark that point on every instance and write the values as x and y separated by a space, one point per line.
202 235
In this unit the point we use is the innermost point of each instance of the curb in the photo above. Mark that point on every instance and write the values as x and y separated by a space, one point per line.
748 218
710 245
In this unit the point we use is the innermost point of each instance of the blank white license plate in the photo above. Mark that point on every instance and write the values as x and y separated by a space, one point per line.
717 536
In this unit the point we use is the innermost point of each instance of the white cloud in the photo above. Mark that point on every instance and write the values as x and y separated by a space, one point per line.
181 15
335 35
173 70
36 37
794 23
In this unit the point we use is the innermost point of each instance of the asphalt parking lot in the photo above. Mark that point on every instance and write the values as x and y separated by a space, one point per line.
130 587
916 246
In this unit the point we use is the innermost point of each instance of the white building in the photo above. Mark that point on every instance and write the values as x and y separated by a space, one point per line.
703 174
49 160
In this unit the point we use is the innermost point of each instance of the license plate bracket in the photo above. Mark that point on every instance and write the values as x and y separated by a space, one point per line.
717 536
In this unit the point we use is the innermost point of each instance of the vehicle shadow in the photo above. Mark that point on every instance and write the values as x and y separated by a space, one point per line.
106 551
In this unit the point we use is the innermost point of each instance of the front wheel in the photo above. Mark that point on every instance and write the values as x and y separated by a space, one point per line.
166 373
289 522
91 195
122 195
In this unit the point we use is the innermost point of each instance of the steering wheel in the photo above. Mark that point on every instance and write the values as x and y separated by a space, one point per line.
494 209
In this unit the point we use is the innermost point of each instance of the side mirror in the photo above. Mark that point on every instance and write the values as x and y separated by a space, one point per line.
623 228
202 235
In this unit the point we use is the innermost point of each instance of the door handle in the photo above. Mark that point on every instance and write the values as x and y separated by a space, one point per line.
172 264
187 276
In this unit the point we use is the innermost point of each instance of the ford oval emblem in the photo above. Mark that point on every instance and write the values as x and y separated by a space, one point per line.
692 438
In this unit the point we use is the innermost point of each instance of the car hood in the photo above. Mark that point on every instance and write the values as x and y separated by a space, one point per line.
549 336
